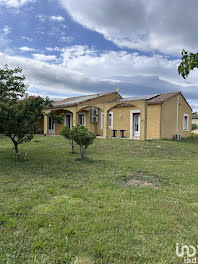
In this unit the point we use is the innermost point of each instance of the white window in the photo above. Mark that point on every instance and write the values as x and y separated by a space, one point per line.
110 120
102 121
185 122
82 119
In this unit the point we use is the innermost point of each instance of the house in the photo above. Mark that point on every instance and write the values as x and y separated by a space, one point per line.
195 121
149 117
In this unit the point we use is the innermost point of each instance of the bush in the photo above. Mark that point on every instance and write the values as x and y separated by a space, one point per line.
69 134
79 135
194 127
83 138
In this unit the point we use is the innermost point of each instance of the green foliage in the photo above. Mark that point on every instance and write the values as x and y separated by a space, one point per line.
189 63
18 118
194 127
83 138
69 134
79 135
19 112
54 117
12 86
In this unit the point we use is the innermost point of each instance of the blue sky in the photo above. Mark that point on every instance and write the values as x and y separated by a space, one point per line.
73 47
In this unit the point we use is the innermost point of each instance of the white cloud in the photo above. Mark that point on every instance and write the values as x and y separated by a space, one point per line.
43 18
27 38
140 24
26 49
57 18
43 57
15 3
55 49
67 39
83 70
6 30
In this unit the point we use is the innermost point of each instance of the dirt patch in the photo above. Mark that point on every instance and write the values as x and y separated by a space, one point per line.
80 260
140 179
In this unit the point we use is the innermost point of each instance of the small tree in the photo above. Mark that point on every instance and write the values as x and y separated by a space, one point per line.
18 119
83 138
69 134
18 111
194 127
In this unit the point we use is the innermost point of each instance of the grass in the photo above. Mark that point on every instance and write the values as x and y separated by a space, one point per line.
56 208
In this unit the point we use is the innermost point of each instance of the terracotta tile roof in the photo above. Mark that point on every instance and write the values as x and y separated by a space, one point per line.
161 98
71 101
152 99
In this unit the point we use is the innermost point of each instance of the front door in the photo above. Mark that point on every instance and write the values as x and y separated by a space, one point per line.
68 121
51 127
136 125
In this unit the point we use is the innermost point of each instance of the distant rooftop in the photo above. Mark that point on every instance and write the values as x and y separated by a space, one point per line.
194 116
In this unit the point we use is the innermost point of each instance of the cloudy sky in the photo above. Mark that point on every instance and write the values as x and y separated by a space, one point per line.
76 47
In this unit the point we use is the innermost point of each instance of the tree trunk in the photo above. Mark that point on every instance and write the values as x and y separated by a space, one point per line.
73 151
15 146
82 152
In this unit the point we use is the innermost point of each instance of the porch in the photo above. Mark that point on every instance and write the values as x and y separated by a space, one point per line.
113 119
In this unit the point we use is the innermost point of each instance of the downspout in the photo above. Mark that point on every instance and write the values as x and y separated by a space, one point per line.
177 126
160 120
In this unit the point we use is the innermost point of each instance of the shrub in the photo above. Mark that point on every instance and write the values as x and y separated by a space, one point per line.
83 138
194 127
79 135
69 134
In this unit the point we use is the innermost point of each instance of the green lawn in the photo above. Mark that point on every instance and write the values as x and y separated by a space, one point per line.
130 202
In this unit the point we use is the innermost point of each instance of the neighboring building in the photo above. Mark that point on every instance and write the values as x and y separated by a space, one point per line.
195 121
158 116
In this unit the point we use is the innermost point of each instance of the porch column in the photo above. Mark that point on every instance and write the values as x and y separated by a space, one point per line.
105 125
45 124
74 118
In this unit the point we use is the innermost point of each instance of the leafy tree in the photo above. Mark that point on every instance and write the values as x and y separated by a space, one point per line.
194 127
12 86
69 134
189 63
18 111
83 138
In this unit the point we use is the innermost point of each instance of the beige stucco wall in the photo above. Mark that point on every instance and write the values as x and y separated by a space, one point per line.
184 109
169 118
153 121
122 115
121 120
